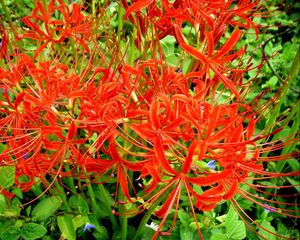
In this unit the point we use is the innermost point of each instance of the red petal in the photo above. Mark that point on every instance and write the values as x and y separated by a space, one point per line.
159 153
123 182
229 44
72 131
232 190
153 115
137 6
166 207
210 179
189 159
210 43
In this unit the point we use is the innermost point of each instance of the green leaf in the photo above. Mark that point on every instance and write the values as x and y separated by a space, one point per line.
79 221
11 233
266 234
66 226
78 202
186 233
235 228
7 176
219 236
17 192
83 206
283 230
184 218
147 233
2 203
172 60
46 208
231 216
15 205
294 164
2 147
271 82
32 231
101 233
295 183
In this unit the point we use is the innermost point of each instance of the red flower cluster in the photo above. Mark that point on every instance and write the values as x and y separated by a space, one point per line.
113 118
46 28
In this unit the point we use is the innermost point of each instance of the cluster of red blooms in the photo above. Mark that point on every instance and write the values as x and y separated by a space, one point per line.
86 116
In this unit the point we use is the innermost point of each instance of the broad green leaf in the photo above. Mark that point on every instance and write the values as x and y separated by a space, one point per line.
11 233
267 235
231 216
17 192
172 60
7 176
15 205
32 231
245 204
46 208
186 233
79 221
66 227
184 218
219 236
237 230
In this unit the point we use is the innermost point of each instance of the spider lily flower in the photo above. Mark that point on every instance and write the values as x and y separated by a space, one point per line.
72 26
224 132
143 117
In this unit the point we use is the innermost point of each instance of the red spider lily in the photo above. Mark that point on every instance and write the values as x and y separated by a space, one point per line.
117 165
236 166
209 20
72 25
143 118
222 132
213 15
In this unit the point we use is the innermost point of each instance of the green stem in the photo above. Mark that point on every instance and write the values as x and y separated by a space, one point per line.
91 193
132 44
93 8
105 195
92 196
122 210
146 217
70 180
120 23
61 193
